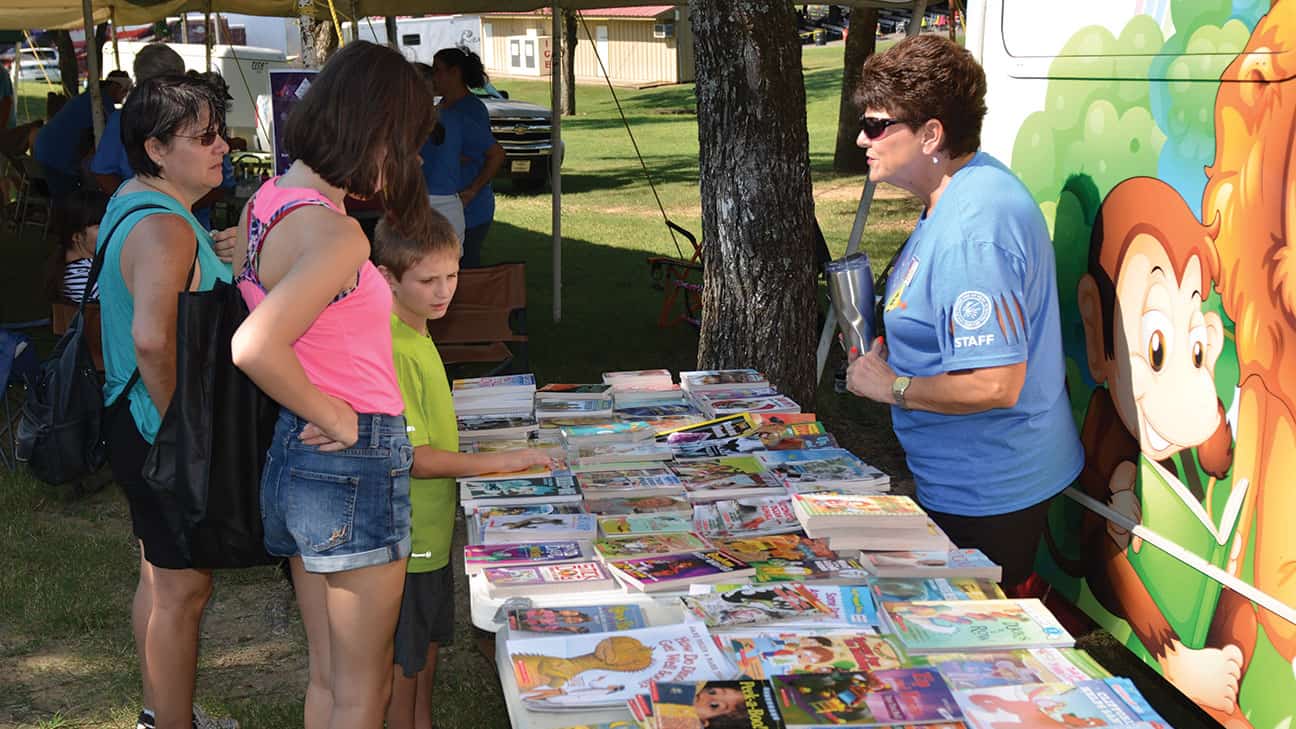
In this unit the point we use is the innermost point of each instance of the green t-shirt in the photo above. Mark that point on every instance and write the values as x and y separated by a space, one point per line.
430 419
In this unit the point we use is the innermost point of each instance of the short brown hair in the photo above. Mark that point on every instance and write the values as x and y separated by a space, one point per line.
400 243
362 122
928 77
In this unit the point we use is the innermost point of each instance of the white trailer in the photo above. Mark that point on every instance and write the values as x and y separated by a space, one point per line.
420 38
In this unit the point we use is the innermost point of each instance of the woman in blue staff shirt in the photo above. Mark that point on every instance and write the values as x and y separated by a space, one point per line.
454 72
972 361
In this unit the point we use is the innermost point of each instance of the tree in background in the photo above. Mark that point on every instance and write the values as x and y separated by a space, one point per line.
861 42
569 62
759 302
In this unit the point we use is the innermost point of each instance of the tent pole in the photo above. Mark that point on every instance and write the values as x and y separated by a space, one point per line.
92 67
112 23
207 33
852 245
184 27
915 20
555 168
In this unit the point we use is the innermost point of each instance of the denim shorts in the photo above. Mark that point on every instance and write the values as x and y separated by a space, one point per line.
339 510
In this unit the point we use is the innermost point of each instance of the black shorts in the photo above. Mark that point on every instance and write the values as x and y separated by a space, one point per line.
1010 539
426 617
127 450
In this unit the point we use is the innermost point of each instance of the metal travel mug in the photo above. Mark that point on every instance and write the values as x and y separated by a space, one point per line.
850 284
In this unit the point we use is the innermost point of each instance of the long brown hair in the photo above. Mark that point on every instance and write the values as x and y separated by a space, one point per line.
361 124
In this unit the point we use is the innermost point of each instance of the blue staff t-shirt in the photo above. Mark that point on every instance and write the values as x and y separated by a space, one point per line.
110 156
474 119
441 161
976 286
58 142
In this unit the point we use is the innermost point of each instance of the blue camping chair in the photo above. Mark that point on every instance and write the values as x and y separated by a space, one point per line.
19 365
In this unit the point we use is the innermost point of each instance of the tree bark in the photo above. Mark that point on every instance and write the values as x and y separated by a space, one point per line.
68 66
569 62
326 42
309 55
759 300
861 42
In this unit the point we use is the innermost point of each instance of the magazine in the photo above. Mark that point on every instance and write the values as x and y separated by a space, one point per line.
865 698
694 705
750 517
1098 702
974 625
745 605
822 468
763 654
585 671
520 490
577 619
480 556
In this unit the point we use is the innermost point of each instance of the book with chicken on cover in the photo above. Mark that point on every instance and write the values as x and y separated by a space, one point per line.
678 571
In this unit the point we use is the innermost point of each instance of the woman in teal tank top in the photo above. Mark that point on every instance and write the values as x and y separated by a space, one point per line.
173 131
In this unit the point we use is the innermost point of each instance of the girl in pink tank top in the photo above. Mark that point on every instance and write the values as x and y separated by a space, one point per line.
335 489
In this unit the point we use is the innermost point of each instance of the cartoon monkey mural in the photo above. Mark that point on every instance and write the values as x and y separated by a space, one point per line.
1152 350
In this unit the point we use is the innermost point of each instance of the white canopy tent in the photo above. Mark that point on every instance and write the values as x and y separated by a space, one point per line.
22 14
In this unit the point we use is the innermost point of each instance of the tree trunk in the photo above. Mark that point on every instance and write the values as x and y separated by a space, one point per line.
68 66
569 62
861 42
393 36
309 55
326 42
759 301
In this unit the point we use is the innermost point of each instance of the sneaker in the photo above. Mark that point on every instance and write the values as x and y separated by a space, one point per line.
201 720
145 721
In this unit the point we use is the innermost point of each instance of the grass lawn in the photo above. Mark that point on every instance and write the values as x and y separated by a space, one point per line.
68 572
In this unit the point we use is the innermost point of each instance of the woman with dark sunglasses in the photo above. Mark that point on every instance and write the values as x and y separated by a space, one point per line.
972 362
153 248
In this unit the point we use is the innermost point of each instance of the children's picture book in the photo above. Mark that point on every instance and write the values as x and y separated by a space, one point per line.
643 524
952 563
641 708
775 653
678 571
834 571
649 545
835 511
577 619
908 589
974 625
822 468
725 478
757 605
556 673
618 724
1099 702
617 481
695 705
749 517
729 426
789 547
853 604
865 698
964 671
518 490
480 556
538 528
627 505
547 578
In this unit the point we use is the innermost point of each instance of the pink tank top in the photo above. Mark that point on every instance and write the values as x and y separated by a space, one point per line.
347 351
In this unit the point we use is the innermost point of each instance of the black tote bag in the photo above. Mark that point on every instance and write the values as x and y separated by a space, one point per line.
205 464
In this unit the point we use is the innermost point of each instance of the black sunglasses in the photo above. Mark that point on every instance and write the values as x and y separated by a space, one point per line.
207 138
875 126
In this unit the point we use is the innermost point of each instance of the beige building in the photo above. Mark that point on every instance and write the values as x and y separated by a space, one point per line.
640 46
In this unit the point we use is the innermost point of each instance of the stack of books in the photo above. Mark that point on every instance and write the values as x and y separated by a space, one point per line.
824 469
739 380
720 403
868 521
508 395
518 491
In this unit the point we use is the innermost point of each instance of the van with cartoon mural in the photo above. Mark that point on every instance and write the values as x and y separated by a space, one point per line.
1159 139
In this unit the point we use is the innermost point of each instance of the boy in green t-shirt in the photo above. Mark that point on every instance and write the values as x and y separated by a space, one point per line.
423 273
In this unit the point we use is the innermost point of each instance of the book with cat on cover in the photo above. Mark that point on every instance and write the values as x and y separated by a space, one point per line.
933 626
951 563
546 579
480 556
574 672
772 652
908 589
1099 702
751 516
649 545
775 546
741 605
643 524
865 698
678 571
576 619
694 705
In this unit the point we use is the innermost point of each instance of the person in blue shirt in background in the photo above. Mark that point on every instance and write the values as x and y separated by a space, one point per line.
60 144
454 72
972 361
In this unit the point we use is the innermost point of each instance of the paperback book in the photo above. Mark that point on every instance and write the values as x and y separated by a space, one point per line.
480 556
909 589
747 605
694 705
625 431
575 672
836 468
644 379
873 537
618 453
492 386
865 698
539 528
659 410
974 625
1100 702
730 426
774 653
754 516
775 546
621 481
554 406
649 545
720 478
828 512
719 407
640 525
577 619
599 391
703 380
853 605
496 427
628 505
826 571
1011 668
951 563
519 491
546 579
678 571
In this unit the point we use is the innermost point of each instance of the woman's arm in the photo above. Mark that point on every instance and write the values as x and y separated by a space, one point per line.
319 252
432 462
953 393
491 164
155 258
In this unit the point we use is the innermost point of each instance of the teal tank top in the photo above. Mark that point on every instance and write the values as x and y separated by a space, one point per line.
117 307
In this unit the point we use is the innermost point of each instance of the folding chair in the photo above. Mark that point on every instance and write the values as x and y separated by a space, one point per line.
19 365
33 195
486 321
681 280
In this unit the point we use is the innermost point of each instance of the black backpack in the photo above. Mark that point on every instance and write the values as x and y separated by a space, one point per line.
60 434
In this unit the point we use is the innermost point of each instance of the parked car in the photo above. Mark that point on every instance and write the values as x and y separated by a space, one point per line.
523 130
39 64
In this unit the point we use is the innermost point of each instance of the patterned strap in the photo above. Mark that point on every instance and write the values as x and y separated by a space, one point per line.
257 232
